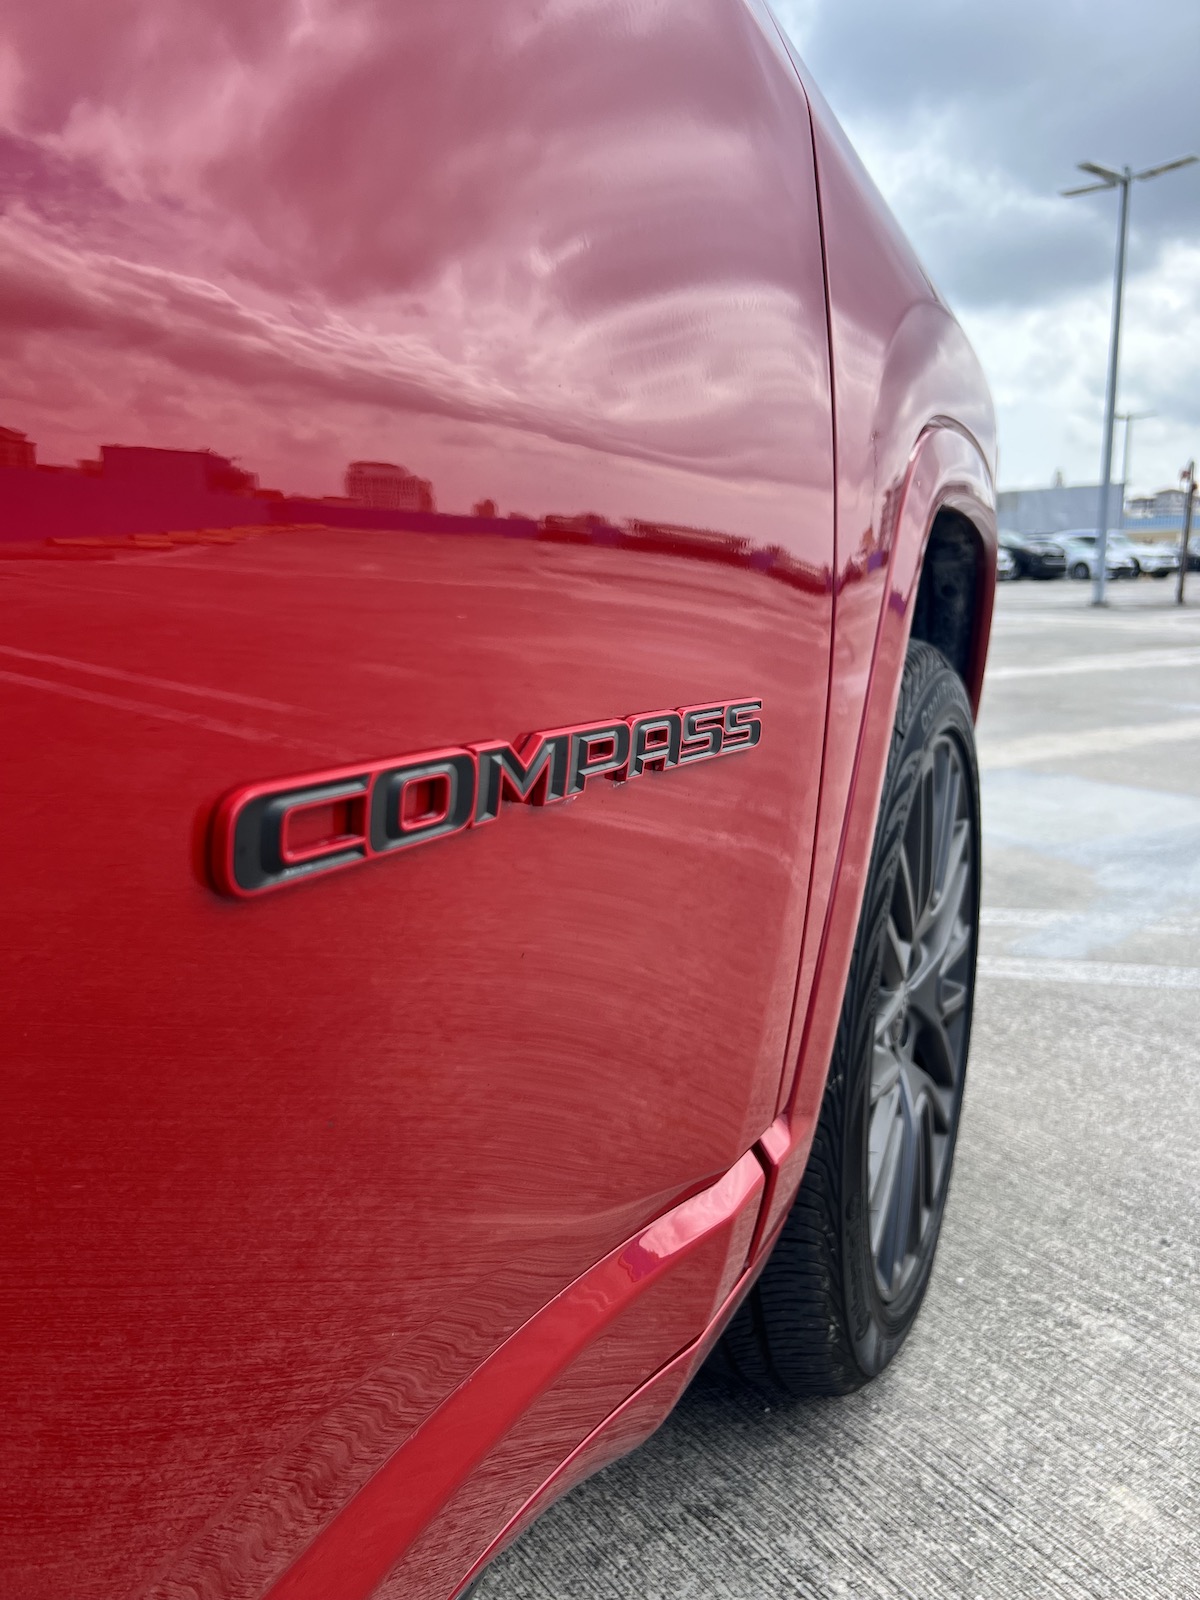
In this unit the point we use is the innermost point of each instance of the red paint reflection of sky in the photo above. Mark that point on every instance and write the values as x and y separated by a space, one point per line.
291 233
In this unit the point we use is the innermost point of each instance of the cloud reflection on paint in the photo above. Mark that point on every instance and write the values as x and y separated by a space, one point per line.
291 219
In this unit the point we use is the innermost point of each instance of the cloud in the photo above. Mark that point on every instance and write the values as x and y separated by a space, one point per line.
971 119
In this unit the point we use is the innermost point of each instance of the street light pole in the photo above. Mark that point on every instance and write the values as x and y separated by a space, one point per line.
1188 478
1124 181
1128 418
1100 572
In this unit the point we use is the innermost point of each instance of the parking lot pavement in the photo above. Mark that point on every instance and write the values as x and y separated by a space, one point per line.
1039 1435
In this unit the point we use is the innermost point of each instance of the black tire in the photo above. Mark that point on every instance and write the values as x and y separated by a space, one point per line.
820 1319
1080 571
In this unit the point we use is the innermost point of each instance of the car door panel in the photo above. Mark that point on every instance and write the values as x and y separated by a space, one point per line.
285 1171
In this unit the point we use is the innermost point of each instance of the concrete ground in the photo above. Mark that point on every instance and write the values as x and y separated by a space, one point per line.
1039 1435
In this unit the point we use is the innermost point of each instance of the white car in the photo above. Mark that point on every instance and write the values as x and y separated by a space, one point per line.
1080 548
1156 560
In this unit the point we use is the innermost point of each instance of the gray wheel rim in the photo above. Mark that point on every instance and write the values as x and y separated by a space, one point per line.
921 1017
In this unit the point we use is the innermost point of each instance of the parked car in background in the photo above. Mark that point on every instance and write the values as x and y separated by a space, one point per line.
1154 560
418 1022
1080 548
1035 555
1193 556
1006 565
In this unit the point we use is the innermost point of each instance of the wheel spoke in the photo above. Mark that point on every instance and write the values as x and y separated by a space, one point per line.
948 906
885 1072
898 1240
924 873
891 1003
887 1193
929 1170
936 1051
957 945
928 1096
948 831
886 1149
897 953
904 899
957 867
954 998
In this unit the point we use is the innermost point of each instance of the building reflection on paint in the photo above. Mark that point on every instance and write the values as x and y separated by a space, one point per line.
133 499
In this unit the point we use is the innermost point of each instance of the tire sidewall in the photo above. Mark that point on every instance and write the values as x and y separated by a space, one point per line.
877 1327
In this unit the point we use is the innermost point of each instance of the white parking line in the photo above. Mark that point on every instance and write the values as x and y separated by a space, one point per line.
1100 921
1085 742
1138 619
1111 974
1118 661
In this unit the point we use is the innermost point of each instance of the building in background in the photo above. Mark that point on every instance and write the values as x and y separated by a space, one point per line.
16 450
1064 507
1057 509
123 491
387 487
147 469
1166 503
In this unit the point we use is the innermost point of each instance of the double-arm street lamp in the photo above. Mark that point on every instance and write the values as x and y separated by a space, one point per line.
1124 181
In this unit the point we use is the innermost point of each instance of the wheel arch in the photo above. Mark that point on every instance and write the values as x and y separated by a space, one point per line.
950 590
954 597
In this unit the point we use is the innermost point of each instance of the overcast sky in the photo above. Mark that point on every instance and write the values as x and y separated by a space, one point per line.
971 118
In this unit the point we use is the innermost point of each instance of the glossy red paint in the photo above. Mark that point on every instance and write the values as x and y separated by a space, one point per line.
632 1422
407 1183
699 1249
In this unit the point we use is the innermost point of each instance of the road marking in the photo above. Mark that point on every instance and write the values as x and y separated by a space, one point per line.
1100 921
1134 620
1085 742
1020 917
1110 974
1119 661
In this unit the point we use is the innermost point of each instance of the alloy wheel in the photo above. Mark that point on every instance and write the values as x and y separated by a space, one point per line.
920 1032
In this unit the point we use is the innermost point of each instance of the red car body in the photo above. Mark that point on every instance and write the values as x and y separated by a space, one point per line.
349 1221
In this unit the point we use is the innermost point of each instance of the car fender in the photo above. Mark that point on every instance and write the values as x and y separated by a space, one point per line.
901 366
946 472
